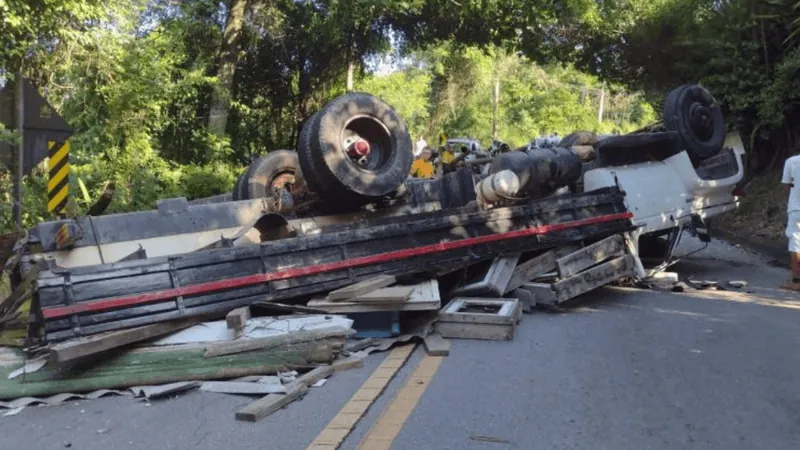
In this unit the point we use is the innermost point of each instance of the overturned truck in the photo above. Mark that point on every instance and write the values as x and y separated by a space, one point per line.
342 209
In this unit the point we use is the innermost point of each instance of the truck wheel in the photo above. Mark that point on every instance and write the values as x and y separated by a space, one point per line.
238 187
359 150
304 153
578 138
693 113
277 169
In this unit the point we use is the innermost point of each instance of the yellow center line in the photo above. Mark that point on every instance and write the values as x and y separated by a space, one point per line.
332 436
394 416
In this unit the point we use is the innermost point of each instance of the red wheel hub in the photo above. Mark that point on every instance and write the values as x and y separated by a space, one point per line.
359 149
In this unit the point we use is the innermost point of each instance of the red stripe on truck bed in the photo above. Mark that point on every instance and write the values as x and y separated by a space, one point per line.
204 288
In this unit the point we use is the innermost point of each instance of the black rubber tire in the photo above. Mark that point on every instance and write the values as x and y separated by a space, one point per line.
263 171
389 162
304 154
578 138
695 115
238 187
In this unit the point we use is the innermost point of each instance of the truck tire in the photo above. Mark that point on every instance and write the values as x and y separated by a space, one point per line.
361 122
265 173
695 115
238 187
304 154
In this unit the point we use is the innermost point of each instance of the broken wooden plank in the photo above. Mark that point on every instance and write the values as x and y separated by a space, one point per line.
311 377
292 309
237 319
594 278
244 388
494 281
362 287
265 406
526 299
542 293
90 346
425 297
361 344
591 255
436 345
245 345
536 266
394 294
354 361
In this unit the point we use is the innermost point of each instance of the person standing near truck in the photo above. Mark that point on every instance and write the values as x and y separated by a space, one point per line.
422 167
791 178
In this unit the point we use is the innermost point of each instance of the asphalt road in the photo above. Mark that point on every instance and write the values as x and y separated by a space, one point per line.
621 369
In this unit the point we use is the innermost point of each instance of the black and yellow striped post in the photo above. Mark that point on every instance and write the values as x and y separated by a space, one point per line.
58 183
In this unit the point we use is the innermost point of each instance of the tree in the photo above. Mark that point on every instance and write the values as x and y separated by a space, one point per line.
229 57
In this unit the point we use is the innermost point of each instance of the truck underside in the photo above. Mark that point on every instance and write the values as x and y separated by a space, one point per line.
342 209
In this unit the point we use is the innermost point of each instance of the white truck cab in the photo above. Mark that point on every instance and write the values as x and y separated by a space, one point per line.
671 193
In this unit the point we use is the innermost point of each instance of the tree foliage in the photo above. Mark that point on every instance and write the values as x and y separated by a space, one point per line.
136 78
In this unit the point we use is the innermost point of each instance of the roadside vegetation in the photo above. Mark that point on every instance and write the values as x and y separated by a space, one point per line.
173 98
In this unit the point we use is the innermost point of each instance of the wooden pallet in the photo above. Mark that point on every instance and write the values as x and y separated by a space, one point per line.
584 270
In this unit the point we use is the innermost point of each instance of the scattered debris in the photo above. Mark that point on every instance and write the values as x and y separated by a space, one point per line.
269 379
237 319
320 383
424 297
234 387
705 284
29 367
359 344
269 404
288 377
472 318
492 439
662 281
394 294
362 287
526 299
353 361
152 392
13 412
495 280
580 260
60 398
85 347
436 345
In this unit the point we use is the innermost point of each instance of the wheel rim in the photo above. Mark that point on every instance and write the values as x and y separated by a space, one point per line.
282 180
367 143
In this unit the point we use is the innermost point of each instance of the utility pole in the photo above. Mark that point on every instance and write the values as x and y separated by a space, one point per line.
19 122
600 108
495 104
